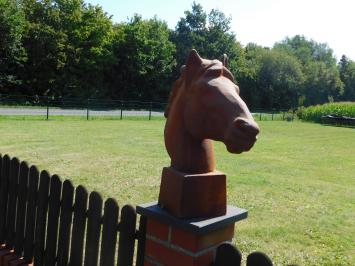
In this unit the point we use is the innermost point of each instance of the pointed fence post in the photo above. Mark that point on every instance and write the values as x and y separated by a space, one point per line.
87 109
47 108
150 110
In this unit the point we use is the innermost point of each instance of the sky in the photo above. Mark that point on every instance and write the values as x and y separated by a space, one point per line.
263 22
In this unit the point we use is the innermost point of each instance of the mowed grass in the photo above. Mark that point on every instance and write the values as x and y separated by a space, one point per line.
298 182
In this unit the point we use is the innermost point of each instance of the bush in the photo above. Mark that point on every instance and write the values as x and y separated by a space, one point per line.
314 113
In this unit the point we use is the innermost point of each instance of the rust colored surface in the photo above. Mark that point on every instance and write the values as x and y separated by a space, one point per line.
195 243
205 105
8 258
158 229
168 255
193 195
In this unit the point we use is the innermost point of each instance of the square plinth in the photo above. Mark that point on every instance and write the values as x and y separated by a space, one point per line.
193 195
194 225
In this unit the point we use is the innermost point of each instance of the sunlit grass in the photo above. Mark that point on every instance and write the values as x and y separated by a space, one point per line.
298 182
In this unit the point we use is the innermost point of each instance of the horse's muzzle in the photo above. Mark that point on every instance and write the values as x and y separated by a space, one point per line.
241 135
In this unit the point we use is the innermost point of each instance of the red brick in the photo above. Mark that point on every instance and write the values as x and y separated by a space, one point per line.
195 243
205 260
19 262
148 263
171 257
8 258
3 253
158 229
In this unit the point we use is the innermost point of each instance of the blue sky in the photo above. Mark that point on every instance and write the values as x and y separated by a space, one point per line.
260 21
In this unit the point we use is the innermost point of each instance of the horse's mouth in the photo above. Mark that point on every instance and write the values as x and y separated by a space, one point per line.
239 142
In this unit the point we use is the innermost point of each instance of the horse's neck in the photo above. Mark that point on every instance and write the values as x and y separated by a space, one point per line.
187 154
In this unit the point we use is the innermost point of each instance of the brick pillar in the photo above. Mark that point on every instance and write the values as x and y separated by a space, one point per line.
190 242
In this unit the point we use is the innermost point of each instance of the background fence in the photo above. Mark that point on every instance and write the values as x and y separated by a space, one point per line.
46 108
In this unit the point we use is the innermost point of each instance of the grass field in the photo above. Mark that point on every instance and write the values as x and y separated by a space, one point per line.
298 182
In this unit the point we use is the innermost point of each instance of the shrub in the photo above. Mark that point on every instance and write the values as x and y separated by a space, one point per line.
314 113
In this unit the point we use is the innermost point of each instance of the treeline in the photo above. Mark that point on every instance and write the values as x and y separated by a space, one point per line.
67 48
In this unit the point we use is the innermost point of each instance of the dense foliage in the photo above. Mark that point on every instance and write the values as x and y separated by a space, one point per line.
67 48
315 113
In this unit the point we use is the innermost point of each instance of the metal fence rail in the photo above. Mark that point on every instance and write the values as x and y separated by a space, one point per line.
12 105
46 107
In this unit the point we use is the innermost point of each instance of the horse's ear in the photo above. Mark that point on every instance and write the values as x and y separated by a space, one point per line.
193 63
225 60
193 60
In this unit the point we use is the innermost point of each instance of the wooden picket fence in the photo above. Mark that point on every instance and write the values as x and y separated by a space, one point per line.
228 255
45 221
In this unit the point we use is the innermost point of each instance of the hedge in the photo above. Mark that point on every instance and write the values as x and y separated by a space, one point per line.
314 113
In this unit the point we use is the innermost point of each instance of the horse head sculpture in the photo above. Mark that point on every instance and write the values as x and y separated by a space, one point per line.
205 105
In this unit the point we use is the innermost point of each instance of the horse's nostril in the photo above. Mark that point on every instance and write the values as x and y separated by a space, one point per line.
248 127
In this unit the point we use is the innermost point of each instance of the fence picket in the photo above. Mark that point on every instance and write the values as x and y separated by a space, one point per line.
93 229
141 241
65 222
109 233
258 259
21 208
53 219
41 219
50 230
5 171
0 169
11 208
31 213
228 255
79 222
127 236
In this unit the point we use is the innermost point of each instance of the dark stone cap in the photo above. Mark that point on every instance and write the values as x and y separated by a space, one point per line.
195 225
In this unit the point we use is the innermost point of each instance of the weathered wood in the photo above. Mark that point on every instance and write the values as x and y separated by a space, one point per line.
32 195
79 222
65 222
11 208
109 233
228 255
28 198
5 175
41 220
127 236
93 229
258 259
21 208
0 169
53 220
141 240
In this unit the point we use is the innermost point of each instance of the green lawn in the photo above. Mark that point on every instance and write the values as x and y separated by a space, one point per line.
298 182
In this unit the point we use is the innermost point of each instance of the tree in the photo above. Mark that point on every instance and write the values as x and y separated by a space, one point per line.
209 34
280 78
247 77
322 84
12 53
68 45
322 81
144 60
347 75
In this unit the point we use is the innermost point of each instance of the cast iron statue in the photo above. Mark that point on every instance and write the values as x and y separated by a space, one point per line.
204 105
